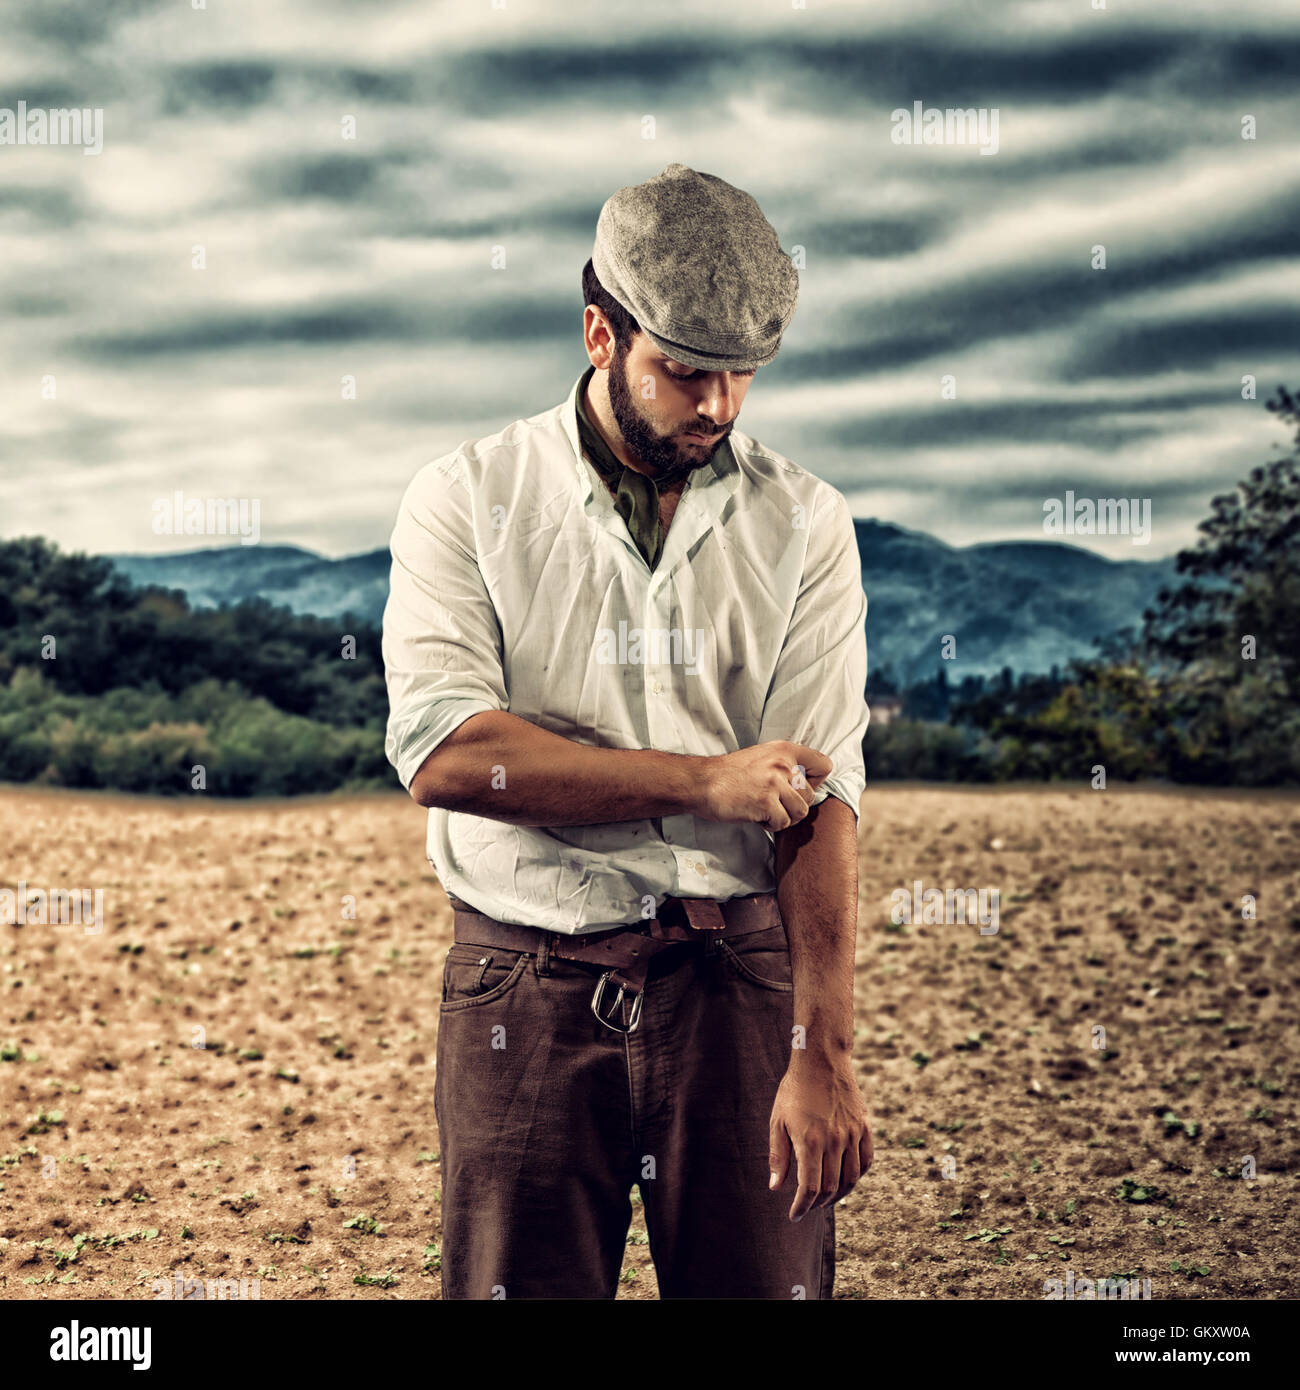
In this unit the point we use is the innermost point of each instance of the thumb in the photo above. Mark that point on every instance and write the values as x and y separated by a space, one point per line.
778 1155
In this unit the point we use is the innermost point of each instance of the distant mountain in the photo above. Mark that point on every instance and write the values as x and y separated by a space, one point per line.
1024 604
286 574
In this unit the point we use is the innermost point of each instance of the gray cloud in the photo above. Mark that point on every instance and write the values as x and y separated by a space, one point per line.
1190 342
965 423
373 257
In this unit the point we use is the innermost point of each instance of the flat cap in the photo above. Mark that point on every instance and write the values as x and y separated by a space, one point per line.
699 267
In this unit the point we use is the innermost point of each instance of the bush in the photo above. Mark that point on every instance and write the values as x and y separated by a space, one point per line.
910 749
147 741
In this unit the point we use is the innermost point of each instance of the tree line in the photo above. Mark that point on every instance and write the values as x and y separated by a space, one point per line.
1206 689
105 684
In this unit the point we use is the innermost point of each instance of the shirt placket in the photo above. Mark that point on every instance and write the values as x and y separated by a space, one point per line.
692 874
694 515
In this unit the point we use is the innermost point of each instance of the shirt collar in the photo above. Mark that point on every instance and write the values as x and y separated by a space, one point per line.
569 424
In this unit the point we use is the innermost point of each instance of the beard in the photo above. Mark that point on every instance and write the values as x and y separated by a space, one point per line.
670 458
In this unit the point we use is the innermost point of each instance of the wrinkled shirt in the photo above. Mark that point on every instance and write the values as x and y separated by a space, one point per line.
516 586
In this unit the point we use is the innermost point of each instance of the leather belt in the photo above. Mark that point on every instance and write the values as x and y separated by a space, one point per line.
624 952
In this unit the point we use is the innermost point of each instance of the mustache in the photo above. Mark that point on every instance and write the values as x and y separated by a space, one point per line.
682 470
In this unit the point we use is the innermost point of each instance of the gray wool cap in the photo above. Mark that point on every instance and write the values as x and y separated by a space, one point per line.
699 267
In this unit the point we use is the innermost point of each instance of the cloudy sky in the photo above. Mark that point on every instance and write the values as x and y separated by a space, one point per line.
127 372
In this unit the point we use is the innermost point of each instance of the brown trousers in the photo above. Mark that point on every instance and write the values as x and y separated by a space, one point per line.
547 1119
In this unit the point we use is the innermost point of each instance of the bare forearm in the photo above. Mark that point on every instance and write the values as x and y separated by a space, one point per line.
817 889
505 768
820 1128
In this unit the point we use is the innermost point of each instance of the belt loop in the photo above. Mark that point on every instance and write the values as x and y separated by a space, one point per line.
543 962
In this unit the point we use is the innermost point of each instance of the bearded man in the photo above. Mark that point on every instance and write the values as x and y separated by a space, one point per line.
626 658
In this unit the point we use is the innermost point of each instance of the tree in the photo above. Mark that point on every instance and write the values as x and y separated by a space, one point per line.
1243 583
1209 690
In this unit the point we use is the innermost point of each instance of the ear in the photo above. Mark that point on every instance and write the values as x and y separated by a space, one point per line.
597 338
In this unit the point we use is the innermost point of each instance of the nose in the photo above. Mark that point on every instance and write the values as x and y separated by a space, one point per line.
718 399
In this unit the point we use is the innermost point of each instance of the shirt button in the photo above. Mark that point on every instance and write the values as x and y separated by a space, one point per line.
657 688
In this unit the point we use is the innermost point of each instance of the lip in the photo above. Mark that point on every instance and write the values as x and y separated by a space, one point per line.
702 438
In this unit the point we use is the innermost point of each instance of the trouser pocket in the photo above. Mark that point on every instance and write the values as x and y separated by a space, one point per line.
761 957
475 975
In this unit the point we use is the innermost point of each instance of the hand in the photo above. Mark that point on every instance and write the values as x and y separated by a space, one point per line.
819 1115
772 784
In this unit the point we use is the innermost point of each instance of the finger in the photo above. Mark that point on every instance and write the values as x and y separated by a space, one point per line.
832 1164
866 1150
850 1173
777 818
778 1155
814 764
810 1178
800 780
794 804
805 782
803 786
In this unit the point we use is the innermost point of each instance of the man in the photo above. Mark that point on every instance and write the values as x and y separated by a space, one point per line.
626 659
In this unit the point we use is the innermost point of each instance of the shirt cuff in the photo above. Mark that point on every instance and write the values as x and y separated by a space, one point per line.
429 729
847 789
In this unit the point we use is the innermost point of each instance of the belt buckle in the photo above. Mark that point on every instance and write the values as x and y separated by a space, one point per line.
598 997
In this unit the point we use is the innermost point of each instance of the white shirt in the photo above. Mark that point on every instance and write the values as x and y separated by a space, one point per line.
517 586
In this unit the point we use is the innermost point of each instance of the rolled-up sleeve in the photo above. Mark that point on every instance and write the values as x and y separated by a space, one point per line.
817 696
441 637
